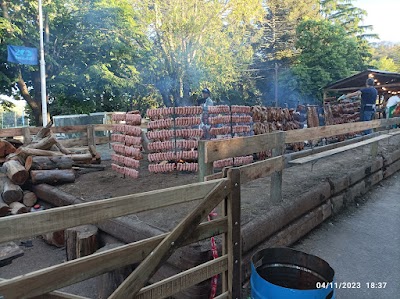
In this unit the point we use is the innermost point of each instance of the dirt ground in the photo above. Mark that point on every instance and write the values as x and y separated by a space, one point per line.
255 199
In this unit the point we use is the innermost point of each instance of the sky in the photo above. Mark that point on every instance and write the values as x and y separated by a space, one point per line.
384 15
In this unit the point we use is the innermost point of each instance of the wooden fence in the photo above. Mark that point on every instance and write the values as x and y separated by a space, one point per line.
86 134
210 151
151 253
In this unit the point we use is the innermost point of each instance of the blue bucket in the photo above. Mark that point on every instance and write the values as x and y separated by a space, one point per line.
283 273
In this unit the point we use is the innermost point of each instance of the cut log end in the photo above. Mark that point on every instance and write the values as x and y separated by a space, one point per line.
16 172
81 241
18 208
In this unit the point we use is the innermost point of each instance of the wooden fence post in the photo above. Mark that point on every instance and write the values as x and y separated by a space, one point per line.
205 169
276 177
26 133
234 240
91 135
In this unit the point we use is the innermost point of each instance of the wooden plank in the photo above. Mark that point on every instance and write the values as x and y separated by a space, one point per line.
69 129
179 282
276 177
337 150
32 224
222 296
234 241
132 285
260 169
11 132
103 127
205 168
90 135
102 140
215 176
74 142
228 148
61 275
54 295
328 131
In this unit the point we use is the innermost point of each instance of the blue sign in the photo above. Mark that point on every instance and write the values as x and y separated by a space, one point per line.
22 55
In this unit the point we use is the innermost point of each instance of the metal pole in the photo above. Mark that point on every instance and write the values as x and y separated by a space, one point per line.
42 67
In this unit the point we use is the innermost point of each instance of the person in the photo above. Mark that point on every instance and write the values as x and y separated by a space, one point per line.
368 99
205 102
391 105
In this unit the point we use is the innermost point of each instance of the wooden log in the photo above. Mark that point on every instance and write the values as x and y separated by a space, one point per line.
25 151
44 144
28 163
16 172
109 282
81 158
26 133
53 176
29 198
4 208
63 149
43 132
18 208
9 191
56 238
52 162
6 148
81 241
93 151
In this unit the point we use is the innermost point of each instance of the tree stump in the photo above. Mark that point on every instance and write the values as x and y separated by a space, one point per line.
29 198
56 238
108 282
81 241
9 191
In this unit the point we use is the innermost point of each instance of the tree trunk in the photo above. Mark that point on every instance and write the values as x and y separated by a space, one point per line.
16 172
29 199
9 191
18 208
109 282
47 163
52 176
32 102
81 241
4 208
44 144
25 152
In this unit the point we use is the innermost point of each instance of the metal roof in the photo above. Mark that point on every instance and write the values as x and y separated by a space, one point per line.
389 80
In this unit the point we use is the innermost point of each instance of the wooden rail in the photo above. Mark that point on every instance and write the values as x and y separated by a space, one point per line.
151 252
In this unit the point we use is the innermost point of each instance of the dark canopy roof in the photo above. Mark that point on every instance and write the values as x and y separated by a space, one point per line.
384 81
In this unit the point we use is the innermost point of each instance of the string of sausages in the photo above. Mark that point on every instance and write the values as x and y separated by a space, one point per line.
241 129
125 171
237 161
127 129
127 161
188 110
127 151
180 133
169 145
168 156
179 121
168 167
128 140
240 109
218 109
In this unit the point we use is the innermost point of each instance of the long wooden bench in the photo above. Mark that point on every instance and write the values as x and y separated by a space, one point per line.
331 152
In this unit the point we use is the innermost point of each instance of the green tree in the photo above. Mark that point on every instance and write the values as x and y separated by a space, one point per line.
197 43
327 54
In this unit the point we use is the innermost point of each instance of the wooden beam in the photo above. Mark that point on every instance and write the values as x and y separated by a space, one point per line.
55 295
234 240
228 148
205 168
222 296
331 152
294 136
215 176
11 132
61 275
179 282
83 141
103 127
132 285
32 224
91 137
358 87
260 169
276 177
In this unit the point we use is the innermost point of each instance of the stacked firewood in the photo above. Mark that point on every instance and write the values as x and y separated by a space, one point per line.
127 143
40 160
269 119
174 133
